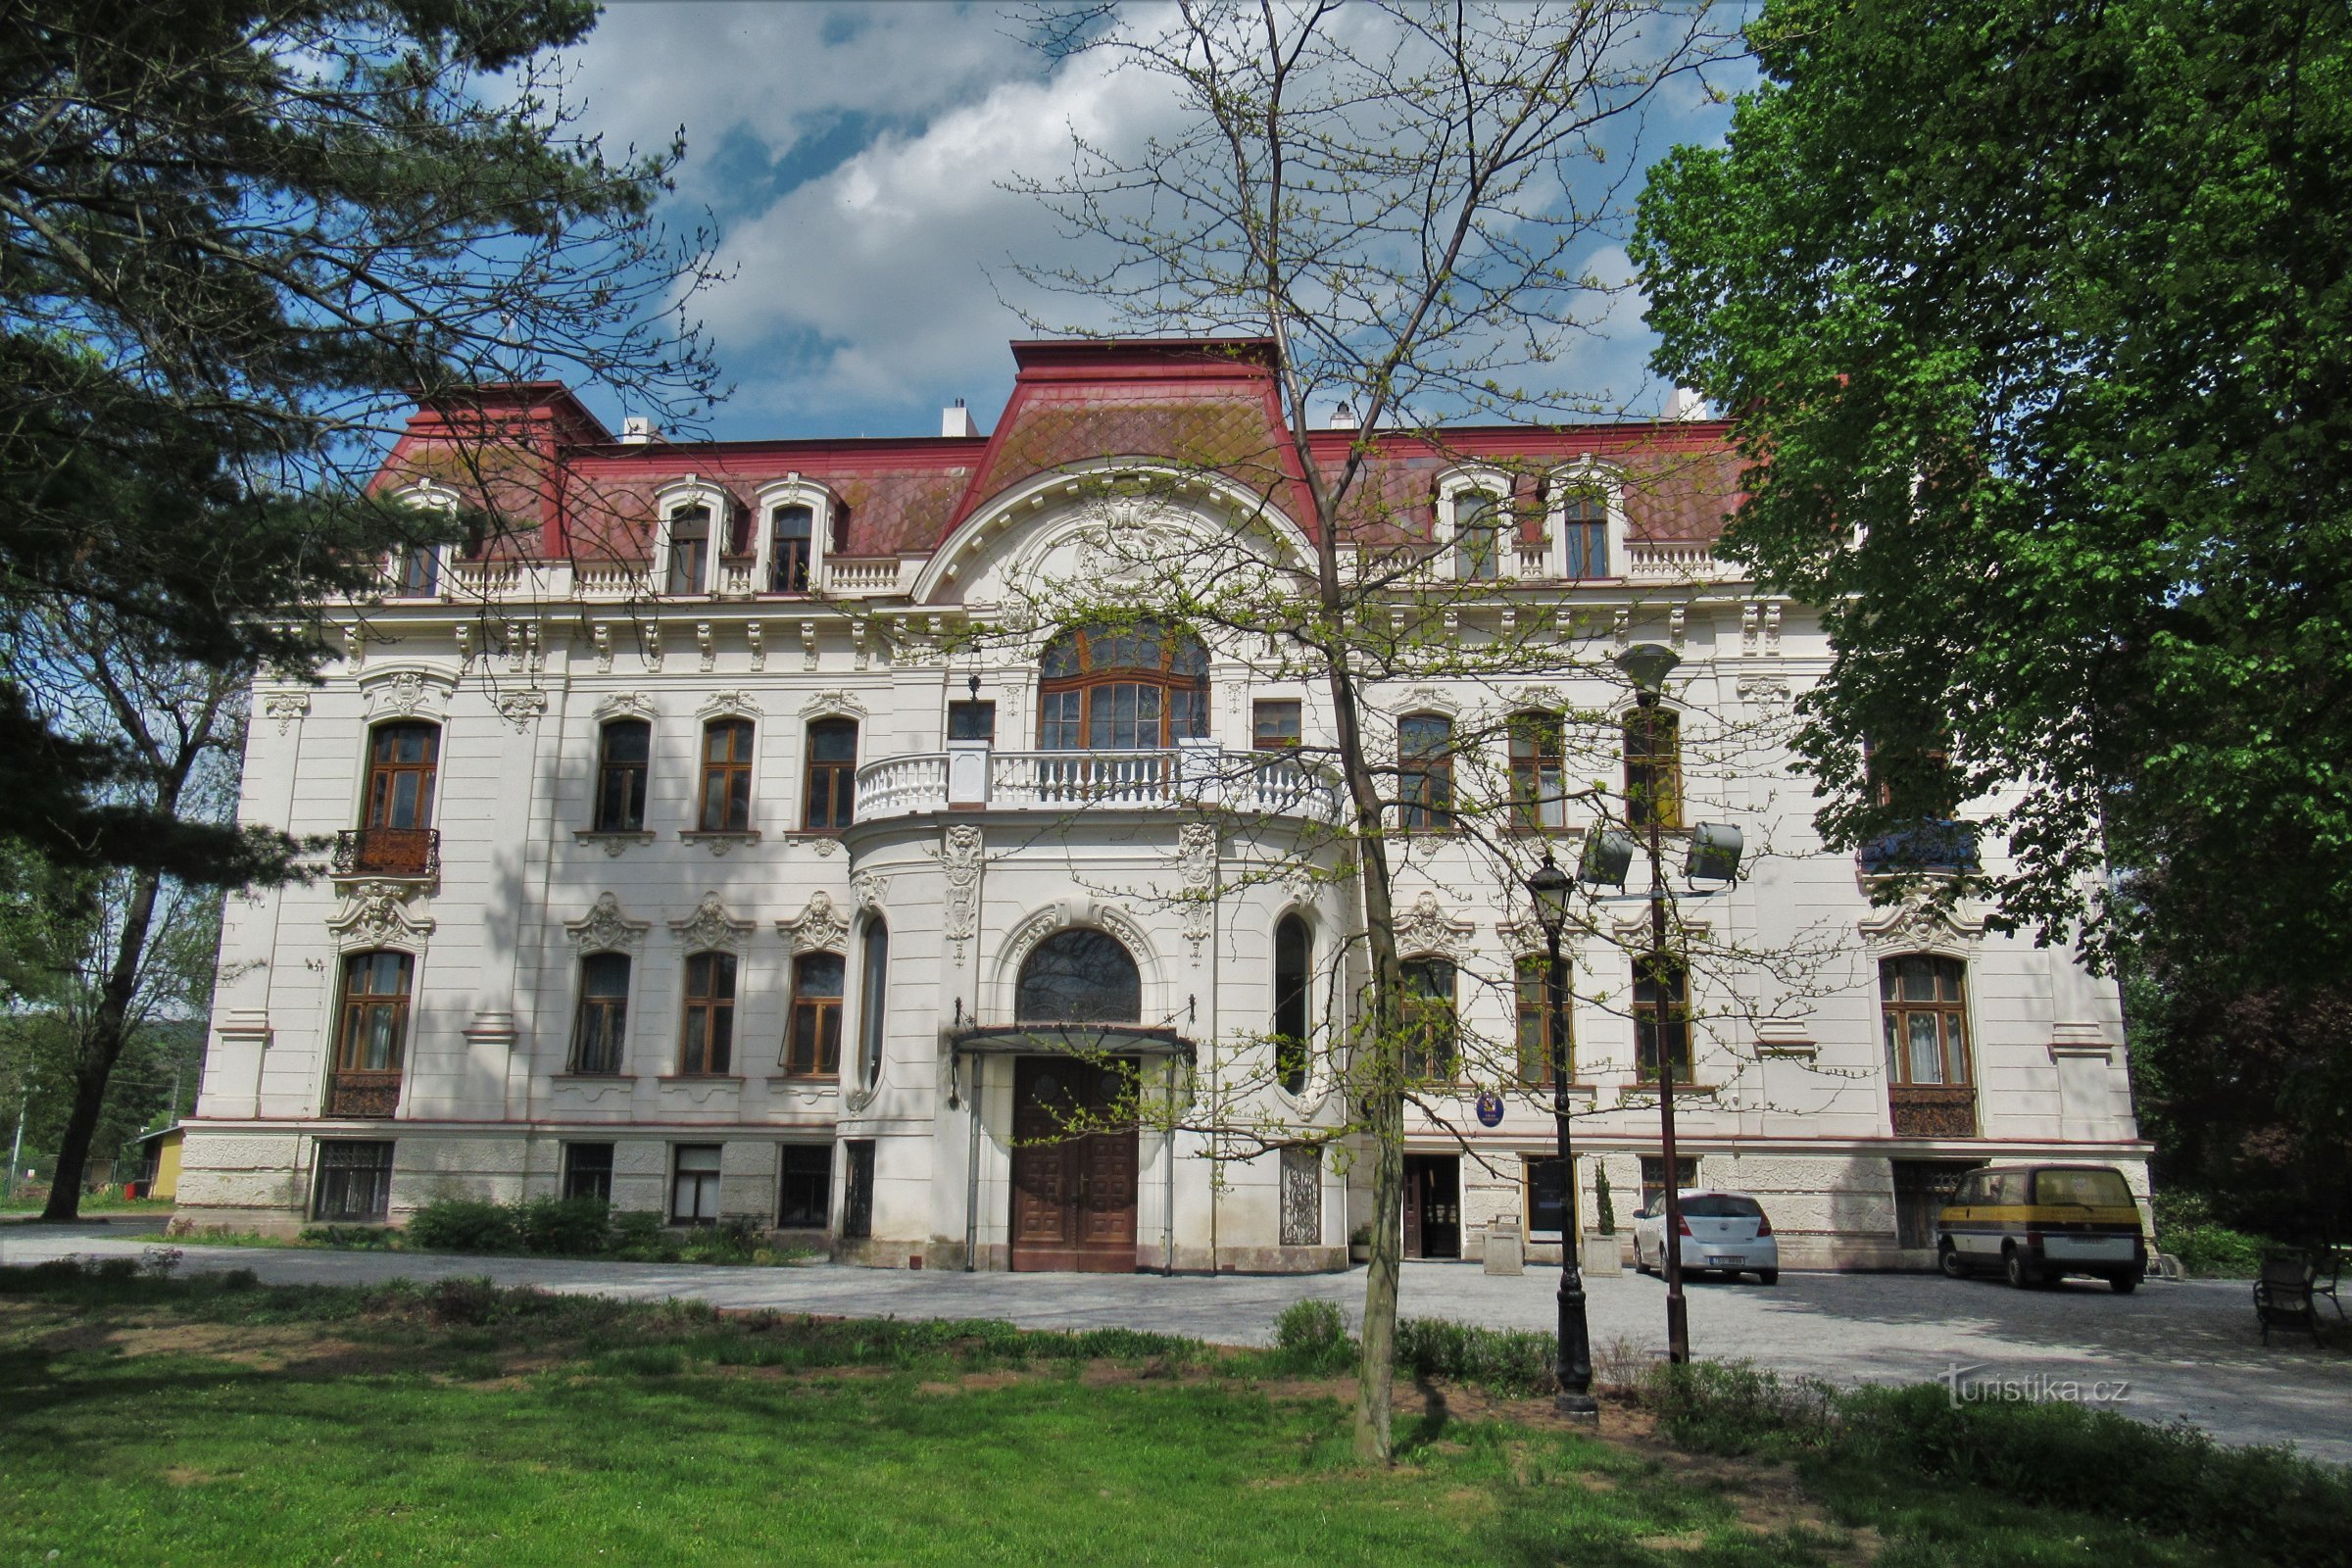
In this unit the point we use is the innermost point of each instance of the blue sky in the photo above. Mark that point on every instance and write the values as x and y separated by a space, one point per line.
851 156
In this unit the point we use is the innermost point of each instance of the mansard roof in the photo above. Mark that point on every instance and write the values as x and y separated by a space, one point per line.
537 456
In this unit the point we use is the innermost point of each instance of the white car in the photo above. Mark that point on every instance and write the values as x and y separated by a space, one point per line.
1721 1231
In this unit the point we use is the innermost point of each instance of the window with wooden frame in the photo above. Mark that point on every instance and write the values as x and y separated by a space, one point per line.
1538 772
1479 519
599 1028
694 1184
1653 768
588 1171
805 1187
1535 1025
791 549
813 1040
688 568
1425 773
726 797
1584 531
1294 951
1137 688
829 801
1432 1045
1274 725
624 748
420 571
1653 1177
403 761
1661 1016
374 1026
707 1032
1923 1006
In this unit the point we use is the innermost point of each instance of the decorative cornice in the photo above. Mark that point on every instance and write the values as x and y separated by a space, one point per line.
711 927
728 705
833 704
408 693
605 929
1425 929
619 702
375 913
819 927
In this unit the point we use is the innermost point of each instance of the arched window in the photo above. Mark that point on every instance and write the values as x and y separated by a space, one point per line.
831 797
1653 768
1293 957
707 1033
601 1027
1478 523
1079 976
688 568
1538 781
1140 688
812 1041
1431 1041
726 803
1923 1006
1425 772
1661 1016
791 547
371 1034
623 748
874 999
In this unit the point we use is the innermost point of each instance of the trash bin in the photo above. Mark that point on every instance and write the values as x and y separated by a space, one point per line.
130 1191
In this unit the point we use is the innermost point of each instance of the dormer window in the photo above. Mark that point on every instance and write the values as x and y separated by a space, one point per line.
1584 531
688 567
1479 517
792 549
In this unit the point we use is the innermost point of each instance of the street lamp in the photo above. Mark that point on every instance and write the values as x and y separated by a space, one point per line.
1549 889
1646 665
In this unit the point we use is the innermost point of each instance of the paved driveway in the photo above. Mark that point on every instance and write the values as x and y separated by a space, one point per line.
2183 1349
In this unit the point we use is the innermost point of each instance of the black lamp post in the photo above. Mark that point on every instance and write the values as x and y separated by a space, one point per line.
1549 888
1646 665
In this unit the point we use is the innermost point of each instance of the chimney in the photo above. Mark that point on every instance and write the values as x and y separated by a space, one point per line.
1343 417
956 419
637 430
1686 405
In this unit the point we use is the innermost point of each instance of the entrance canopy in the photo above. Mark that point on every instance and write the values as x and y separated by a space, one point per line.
1070 1040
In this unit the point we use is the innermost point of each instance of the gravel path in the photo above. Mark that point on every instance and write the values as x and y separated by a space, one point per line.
2183 1349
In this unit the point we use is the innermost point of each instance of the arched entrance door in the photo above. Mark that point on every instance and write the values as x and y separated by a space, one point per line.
1075 1158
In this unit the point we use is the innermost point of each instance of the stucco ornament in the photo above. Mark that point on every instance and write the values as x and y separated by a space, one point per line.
1197 861
635 704
1426 929
819 927
959 865
711 927
286 708
374 914
1919 928
605 929
871 889
1128 538
522 708
407 694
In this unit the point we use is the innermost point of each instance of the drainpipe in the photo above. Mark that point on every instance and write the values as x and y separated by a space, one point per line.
1167 1227
972 1193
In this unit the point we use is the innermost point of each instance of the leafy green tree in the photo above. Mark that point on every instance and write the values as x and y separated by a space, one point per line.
235 238
2038 323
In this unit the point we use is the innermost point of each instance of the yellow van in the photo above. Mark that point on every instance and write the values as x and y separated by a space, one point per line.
2037 1222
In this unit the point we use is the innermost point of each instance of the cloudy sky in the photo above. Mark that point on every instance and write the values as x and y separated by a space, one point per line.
851 156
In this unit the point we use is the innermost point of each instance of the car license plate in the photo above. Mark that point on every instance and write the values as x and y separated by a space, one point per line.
1732 1258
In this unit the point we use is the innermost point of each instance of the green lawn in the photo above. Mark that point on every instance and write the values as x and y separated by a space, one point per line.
163 1421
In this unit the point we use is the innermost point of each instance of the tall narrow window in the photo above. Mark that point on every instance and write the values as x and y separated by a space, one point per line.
1428 1015
1477 519
1653 768
601 1023
1661 1016
1539 780
588 1171
1274 725
1293 953
694 1184
873 1000
1923 1007
831 798
689 565
1585 518
420 571
791 542
372 1035
1547 1197
622 751
1535 1026
858 1180
707 1041
812 1046
402 761
726 777
805 1187
1425 772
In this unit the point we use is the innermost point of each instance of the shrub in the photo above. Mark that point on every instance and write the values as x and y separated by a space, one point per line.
730 1241
241 1279
116 1270
639 1235
2215 1250
1731 1407
464 1225
1506 1361
377 1237
565 1226
469 1301
1312 1337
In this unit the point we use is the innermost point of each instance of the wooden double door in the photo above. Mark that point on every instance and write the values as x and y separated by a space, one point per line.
1073 1190
1432 1205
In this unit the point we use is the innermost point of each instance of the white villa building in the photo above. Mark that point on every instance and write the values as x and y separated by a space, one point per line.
690 854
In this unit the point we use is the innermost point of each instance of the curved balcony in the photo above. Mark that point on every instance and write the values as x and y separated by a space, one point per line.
1203 778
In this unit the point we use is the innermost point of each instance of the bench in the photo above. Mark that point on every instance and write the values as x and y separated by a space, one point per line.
2286 1295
